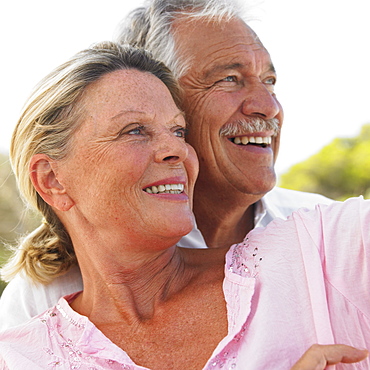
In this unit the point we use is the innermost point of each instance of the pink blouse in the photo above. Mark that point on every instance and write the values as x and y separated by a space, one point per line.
294 283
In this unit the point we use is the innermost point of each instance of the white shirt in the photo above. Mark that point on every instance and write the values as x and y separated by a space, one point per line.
22 299
278 203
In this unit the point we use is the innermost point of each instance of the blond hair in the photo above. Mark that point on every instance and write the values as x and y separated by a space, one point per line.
47 124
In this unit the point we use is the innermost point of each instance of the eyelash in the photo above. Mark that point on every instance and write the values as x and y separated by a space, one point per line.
269 81
183 131
233 78
272 79
138 128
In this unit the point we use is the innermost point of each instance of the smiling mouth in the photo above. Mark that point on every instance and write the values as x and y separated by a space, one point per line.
165 189
262 141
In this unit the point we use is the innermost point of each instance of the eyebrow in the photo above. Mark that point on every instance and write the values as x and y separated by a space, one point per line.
226 67
128 111
181 113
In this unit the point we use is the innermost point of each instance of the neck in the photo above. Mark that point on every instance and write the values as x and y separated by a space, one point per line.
129 291
223 221
124 274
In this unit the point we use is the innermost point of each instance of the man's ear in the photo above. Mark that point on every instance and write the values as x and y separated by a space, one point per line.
44 179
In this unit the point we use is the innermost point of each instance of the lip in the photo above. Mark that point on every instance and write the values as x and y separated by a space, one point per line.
168 180
182 197
255 134
253 149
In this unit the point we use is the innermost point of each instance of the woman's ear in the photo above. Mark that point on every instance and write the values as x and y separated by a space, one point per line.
44 179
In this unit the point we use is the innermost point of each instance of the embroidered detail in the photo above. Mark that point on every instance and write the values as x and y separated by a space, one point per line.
222 361
245 262
73 352
69 319
70 356
227 359
58 361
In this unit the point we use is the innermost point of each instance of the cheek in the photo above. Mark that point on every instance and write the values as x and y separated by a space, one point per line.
197 106
201 122
107 178
209 112
192 165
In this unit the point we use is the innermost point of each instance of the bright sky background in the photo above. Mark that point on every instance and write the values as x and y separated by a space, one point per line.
320 48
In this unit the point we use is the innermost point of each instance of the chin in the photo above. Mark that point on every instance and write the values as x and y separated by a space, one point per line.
179 226
259 187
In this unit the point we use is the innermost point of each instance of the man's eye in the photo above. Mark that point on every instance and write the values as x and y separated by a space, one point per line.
270 81
181 132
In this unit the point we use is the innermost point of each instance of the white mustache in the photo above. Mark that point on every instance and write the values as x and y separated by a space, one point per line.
250 125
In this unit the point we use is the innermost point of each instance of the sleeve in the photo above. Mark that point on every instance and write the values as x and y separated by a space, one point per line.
3 365
346 245
341 232
22 300
17 303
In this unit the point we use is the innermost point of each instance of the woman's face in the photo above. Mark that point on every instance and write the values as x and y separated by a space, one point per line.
129 147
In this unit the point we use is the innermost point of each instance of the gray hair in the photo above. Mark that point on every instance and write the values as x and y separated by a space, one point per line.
149 27
47 124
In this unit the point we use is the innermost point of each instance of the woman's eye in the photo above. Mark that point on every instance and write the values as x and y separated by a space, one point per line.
136 131
229 79
181 132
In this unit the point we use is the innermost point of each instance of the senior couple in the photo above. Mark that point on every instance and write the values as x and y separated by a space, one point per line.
100 151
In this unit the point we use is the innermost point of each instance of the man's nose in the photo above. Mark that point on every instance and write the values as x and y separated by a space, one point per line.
259 101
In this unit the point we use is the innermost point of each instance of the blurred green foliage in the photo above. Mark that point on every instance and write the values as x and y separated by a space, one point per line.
15 221
340 170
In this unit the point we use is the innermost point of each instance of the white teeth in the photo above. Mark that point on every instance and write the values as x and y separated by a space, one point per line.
167 188
244 140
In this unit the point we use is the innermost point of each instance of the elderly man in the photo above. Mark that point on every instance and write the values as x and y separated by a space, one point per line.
234 116
234 120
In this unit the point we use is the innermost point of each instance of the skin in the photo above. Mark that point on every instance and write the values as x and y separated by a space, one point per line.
319 356
144 278
135 278
231 78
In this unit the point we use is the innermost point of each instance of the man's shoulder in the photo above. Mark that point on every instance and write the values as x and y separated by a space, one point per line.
23 299
286 201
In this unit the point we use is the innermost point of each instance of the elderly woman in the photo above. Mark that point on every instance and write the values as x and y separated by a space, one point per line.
100 152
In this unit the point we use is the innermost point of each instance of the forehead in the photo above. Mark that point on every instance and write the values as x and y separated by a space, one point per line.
208 44
122 97
125 90
124 86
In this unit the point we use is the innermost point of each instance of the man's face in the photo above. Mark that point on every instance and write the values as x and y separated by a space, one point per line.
229 85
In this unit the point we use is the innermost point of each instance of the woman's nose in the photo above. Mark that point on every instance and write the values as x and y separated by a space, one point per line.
171 149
